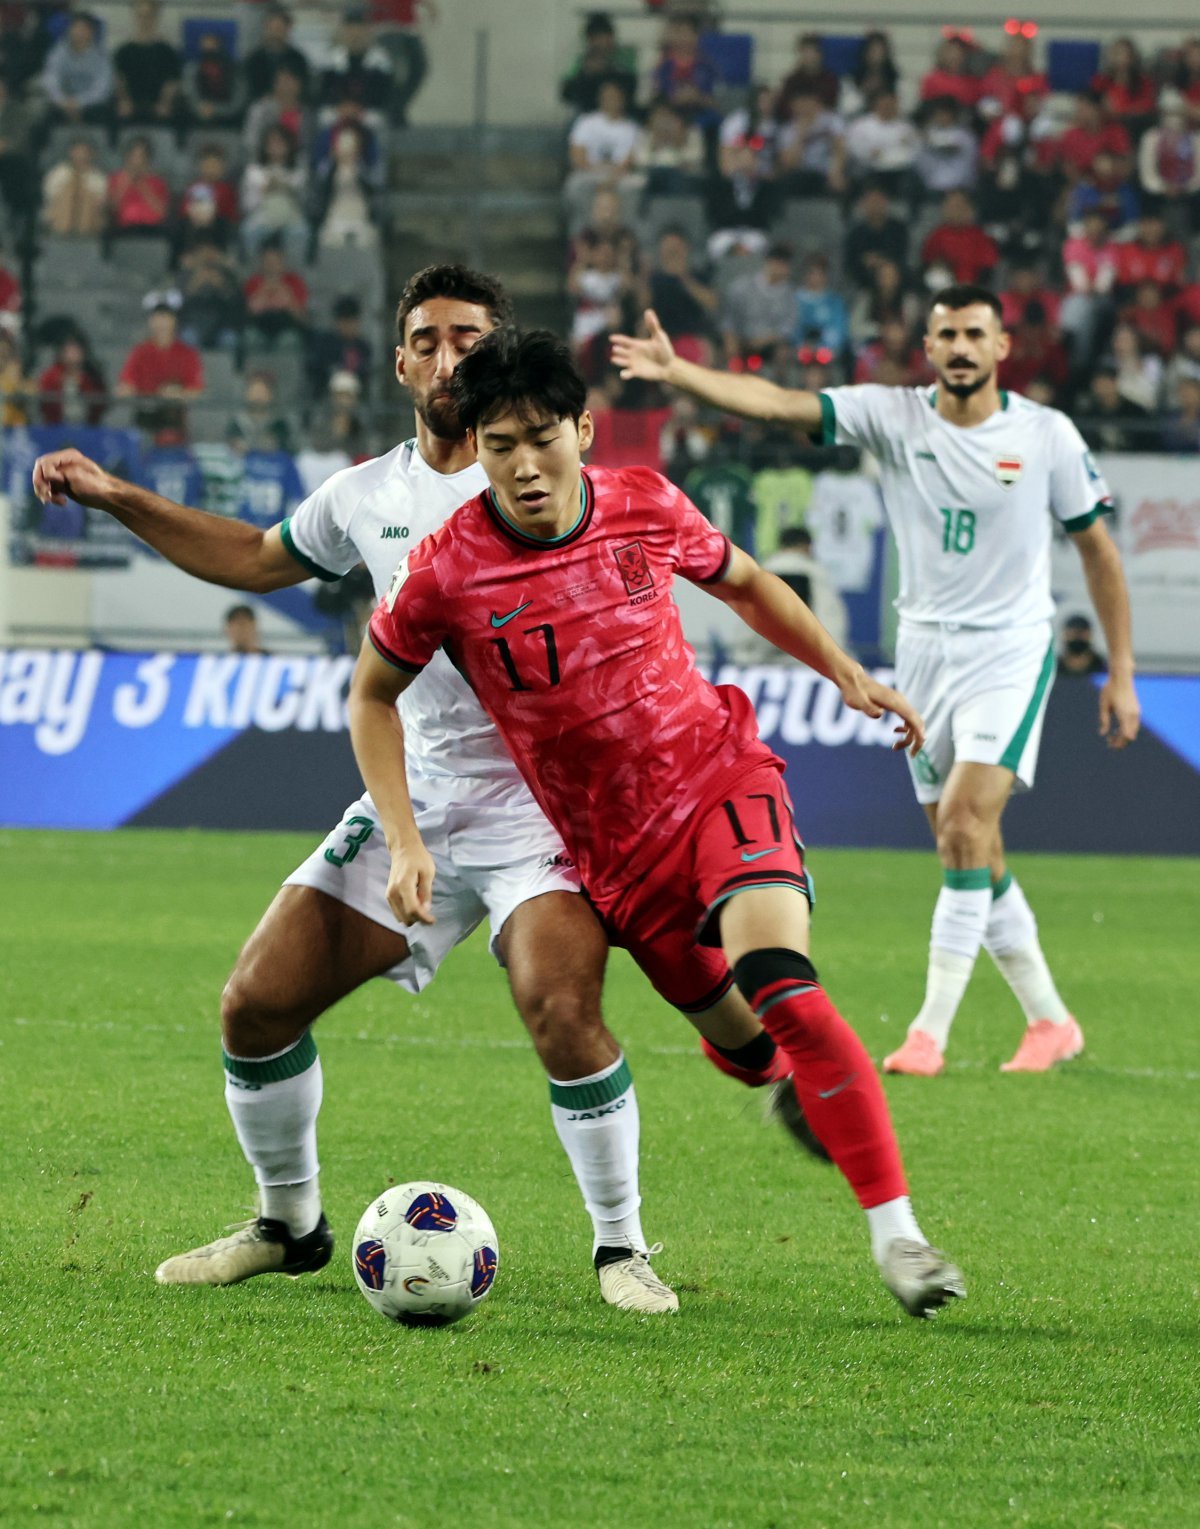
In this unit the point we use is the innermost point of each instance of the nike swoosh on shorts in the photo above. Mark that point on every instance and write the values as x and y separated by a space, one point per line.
746 855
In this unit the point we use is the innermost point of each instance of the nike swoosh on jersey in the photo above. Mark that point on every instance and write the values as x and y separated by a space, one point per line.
759 853
504 620
837 1088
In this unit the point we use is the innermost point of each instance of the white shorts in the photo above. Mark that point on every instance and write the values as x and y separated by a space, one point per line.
982 693
490 859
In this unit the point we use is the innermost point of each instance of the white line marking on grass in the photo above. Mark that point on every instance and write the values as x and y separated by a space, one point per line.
522 1043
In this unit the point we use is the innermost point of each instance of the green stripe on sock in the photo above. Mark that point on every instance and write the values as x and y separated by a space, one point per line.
1000 887
968 881
299 1058
586 1096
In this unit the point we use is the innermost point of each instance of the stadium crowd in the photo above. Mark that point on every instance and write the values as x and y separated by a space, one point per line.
798 229
190 220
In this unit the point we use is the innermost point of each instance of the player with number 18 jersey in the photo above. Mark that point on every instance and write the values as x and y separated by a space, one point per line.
575 648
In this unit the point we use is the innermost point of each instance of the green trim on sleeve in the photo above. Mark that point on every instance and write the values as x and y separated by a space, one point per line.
391 659
285 532
1011 757
974 880
828 420
1082 522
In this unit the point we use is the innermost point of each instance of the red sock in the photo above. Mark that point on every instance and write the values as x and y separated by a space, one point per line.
835 1079
753 1077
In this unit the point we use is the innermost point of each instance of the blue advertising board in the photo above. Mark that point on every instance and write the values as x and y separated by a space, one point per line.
96 740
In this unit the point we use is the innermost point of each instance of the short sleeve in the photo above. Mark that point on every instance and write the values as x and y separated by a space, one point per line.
702 552
316 534
1078 492
854 416
408 626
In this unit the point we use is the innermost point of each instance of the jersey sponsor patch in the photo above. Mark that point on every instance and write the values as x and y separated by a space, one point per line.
397 584
1008 470
633 568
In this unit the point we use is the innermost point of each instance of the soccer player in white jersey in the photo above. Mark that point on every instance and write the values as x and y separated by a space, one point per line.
973 480
330 929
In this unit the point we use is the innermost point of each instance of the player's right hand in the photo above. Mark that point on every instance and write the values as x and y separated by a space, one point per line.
649 359
62 475
410 884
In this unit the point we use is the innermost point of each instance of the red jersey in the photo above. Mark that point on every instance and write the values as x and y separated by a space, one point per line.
575 649
149 367
1164 263
968 251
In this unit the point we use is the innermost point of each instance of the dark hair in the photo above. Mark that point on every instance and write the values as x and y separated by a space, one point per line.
533 372
347 307
456 282
1077 624
599 24
795 536
964 295
240 610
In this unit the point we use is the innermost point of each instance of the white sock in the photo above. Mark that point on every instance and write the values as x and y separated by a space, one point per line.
959 921
1012 942
597 1122
274 1102
892 1219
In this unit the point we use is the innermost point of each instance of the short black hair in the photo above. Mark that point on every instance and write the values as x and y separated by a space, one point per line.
457 282
235 611
533 373
963 295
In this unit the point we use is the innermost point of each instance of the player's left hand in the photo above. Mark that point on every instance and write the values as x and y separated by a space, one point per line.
862 693
1120 713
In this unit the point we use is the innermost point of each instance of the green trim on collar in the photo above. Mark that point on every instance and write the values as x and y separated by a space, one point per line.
541 541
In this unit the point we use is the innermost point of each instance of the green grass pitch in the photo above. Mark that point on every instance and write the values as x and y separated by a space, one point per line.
790 1389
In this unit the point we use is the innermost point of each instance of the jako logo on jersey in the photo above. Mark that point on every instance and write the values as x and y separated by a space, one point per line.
394 533
1008 470
397 584
633 568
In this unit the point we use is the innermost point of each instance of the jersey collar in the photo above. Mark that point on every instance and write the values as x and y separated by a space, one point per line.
587 501
932 401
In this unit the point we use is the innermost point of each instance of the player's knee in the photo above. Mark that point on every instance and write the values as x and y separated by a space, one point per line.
250 1025
566 1026
964 836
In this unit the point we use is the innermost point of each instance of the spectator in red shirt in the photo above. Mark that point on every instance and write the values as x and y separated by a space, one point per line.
951 75
1153 318
1129 93
1090 264
1151 256
162 368
71 387
212 178
1169 156
959 243
1028 287
10 288
208 208
276 301
1075 151
1036 353
809 77
1013 84
138 200
892 358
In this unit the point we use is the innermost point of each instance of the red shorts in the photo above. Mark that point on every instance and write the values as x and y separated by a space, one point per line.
669 922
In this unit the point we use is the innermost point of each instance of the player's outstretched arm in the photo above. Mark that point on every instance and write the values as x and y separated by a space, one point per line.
653 359
378 738
210 547
769 607
1120 713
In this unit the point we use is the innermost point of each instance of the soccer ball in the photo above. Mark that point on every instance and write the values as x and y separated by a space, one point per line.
425 1254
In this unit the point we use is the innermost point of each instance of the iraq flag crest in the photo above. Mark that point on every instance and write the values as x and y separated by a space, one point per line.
1008 470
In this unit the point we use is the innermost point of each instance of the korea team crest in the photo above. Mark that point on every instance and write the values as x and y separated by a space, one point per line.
633 568
1008 470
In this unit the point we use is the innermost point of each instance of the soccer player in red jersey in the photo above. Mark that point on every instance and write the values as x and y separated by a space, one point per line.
551 591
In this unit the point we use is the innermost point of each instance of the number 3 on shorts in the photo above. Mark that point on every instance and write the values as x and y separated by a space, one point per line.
958 530
362 828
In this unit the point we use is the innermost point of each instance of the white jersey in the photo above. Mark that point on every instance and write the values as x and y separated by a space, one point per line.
968 507
843 516
375 513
